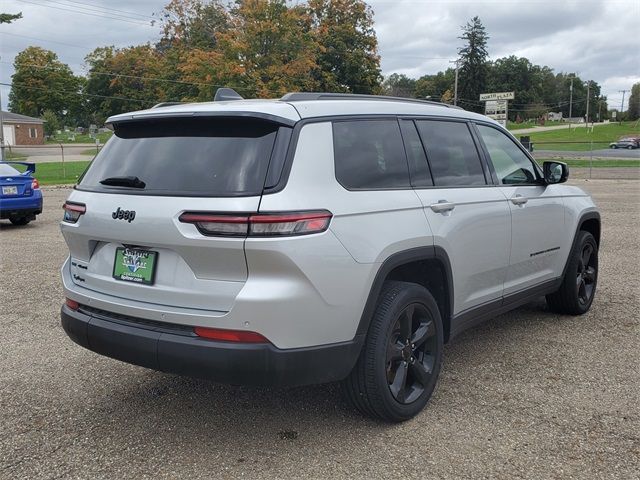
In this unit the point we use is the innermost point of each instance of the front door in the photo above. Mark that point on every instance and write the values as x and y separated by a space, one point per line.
537 213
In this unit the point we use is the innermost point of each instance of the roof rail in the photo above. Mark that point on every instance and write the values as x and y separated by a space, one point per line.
302 96
166 104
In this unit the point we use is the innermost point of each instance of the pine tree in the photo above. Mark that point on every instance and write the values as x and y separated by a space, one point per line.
473 65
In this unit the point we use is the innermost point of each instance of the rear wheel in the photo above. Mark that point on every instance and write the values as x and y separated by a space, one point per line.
579 284
400 362
630 147
613 146
20 220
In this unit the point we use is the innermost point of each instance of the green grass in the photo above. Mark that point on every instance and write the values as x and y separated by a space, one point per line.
601 136
597 163
54 174
531 124
69 137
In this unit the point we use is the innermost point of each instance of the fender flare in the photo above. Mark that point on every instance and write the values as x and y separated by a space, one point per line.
431 252
591 215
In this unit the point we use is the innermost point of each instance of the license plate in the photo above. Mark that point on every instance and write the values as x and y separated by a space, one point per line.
135 265
9 190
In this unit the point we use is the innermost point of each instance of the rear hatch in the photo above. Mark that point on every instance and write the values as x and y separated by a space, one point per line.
128 240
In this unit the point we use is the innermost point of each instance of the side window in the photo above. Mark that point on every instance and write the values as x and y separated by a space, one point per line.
369 154
512 166
420 174
451 152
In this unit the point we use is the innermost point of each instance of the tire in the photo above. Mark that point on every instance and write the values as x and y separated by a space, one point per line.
613 146
393 379
20 220
630 147
578 288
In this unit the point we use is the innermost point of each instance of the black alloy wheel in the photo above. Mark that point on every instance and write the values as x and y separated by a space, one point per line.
411 354
586 275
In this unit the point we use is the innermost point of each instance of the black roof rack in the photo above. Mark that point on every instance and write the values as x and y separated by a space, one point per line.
302 96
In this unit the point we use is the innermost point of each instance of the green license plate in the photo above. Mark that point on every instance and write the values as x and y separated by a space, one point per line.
134 265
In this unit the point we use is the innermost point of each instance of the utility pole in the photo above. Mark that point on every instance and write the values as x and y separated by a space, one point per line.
455 85
622 103
587 116
570 101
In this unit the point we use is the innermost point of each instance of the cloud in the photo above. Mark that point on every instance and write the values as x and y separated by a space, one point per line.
595 38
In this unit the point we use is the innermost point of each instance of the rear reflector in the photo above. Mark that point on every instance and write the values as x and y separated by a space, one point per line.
73 211
35 185
259 225
237 336
72 304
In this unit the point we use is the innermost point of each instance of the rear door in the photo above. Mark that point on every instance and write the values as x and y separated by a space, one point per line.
537 212
469 218
149 174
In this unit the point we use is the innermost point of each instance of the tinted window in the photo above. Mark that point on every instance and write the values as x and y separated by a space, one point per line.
451 152
6 170
420 175
370 154
208 157
512 166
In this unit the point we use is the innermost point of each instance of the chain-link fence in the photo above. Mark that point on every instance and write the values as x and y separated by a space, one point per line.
597 160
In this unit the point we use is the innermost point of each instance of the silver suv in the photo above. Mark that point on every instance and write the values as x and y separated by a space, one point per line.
316 238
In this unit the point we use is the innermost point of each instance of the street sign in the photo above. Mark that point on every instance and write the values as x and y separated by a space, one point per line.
614 114
497 96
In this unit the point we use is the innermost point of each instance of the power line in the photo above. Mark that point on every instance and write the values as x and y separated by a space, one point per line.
135 22
43 40
32 87
108 10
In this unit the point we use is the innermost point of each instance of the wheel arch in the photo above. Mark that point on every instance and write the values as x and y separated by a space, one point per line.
589 222
426 266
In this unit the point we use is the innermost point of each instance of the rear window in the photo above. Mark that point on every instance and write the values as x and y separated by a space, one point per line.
213 157
8 171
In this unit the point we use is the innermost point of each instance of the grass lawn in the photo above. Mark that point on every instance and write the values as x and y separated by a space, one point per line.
599 163
601 136
69 137
54 174
531 124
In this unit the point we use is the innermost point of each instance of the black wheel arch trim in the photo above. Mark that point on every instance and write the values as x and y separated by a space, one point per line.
585 217
431 252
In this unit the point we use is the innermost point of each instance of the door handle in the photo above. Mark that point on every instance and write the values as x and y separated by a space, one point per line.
442 206
519 199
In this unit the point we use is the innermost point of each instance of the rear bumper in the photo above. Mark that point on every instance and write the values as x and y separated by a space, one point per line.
176 349
21 206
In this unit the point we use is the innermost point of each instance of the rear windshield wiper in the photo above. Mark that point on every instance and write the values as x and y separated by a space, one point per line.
133 182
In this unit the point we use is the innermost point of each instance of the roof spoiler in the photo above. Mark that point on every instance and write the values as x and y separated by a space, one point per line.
226 94
31 167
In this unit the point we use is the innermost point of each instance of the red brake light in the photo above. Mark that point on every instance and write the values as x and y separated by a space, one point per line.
72 304
260 224
72 211
238 336
35 184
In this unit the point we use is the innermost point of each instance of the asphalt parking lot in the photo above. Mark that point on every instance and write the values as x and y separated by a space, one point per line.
529 394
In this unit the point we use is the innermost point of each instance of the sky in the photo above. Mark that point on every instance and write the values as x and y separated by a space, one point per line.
596 39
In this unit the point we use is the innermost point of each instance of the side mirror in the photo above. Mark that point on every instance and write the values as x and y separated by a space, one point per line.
555 172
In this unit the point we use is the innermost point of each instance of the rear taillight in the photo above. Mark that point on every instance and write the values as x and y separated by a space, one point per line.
72 304
238 336
260 224
73 211
35 185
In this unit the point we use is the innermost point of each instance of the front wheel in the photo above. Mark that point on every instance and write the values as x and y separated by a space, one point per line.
400 362
578 288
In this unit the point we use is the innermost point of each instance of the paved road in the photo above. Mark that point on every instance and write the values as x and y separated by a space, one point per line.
53 153
600 153
527 395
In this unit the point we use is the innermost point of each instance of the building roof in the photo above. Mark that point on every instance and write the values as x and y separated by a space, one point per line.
10 117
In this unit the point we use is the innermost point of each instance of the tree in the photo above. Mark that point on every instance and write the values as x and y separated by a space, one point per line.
435 86
399 85
190 24
42 82
123 80
51 122
10 17
473 64
268 50
634 103
348 57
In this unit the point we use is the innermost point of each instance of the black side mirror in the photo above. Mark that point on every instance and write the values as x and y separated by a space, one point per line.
555 172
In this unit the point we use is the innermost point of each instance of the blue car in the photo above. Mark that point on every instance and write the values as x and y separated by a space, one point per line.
20 195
